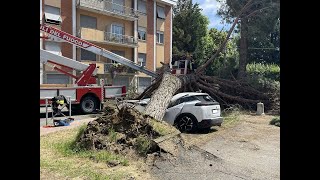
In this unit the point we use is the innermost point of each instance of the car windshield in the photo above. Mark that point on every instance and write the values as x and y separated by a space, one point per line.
205 98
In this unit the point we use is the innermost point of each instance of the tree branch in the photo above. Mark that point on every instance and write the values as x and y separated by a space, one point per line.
254 12
234 98
206 64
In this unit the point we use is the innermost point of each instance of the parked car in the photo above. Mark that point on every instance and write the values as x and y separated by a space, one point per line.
190 111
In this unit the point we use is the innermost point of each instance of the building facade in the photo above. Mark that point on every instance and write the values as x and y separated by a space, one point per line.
139 30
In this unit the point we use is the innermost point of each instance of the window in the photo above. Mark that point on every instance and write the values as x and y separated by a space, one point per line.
205 98
143 83
57 79
117 29
87 55
88 22
118 6
160 37
183 100
142 7
52 15
160 12
189 99
178 101
53 47
142 59
121 81
142 33
117 32
120 53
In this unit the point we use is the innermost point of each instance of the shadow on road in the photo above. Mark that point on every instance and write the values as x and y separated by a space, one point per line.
203 131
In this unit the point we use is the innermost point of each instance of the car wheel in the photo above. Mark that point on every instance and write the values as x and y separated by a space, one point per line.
88 104
186 123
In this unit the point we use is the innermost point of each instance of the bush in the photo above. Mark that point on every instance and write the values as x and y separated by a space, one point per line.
223 69
264 84
275 121
265 77
271 71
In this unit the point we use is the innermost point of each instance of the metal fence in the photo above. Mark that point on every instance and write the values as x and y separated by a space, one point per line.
109 7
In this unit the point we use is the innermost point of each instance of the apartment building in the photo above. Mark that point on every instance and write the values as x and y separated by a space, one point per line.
139 30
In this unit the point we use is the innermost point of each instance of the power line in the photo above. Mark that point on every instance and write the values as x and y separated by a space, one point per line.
265 48
278 49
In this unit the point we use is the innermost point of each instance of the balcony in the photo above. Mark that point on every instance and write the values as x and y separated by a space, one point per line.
108 67
108 37
120 39
108 8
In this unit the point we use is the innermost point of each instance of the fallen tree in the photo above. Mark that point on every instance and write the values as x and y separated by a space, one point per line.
123 129
227 92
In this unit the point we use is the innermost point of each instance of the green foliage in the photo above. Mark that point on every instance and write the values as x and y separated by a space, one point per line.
275 121
263 19
143 144
265 77
226 62
264 46
271 71
189 29
264 84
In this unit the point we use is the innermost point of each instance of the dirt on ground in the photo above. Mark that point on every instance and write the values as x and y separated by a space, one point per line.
249 149
122 131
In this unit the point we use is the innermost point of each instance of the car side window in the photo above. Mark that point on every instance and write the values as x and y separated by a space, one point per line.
171 104
189 99
205 98
182 100
178 101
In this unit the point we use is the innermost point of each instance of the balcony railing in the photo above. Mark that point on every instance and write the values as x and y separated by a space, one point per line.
107 37
109 66
108 7
120 39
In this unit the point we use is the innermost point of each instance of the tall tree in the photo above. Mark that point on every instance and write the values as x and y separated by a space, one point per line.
226 62
258 21
265 47
189 29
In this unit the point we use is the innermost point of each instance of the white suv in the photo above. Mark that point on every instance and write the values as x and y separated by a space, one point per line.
190 110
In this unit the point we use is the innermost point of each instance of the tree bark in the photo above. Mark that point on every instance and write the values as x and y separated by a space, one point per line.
243 48
160 100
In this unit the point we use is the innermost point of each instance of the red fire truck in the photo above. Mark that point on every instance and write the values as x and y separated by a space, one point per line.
85 94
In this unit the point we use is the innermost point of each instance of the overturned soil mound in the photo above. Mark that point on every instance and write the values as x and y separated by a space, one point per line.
122 130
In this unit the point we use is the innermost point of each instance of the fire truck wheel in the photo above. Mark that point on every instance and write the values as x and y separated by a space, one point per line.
88 104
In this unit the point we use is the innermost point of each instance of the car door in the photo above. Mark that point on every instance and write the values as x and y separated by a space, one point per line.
173 110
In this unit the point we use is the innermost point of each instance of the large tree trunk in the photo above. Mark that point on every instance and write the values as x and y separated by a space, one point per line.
243 48
161 98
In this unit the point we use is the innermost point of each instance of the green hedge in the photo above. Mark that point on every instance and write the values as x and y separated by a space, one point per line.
271 71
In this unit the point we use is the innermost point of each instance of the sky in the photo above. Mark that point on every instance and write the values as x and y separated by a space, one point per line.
209 9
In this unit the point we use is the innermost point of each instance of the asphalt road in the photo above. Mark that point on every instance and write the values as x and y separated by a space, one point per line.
250 150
